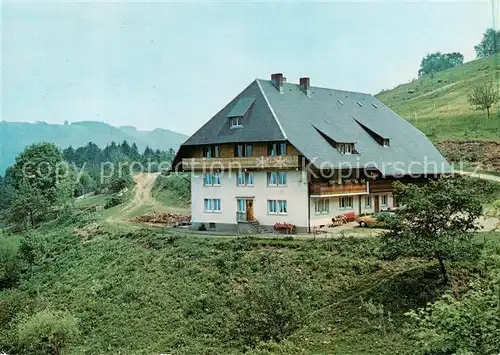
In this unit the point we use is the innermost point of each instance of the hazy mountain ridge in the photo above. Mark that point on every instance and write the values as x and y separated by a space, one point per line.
15 136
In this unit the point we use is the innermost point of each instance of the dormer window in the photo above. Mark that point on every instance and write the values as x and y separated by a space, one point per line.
345 148
386 142
236 122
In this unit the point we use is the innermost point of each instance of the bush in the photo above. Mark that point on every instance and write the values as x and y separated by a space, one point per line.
32 248
47 333
458 326
271 308
113 200
118 184
9 261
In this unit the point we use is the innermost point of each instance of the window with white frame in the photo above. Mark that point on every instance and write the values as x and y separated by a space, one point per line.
244 178
241 205
346 202
384 199
212 205
277 178
272 179
282 177
277 207
368 201
236 121
322 206
212 179
282 207
272 206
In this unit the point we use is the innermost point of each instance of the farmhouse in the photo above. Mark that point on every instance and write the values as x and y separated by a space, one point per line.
282 152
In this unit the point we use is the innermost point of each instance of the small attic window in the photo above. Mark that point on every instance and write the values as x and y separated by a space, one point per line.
236 122
340 101
345 148
359 104
375 105
386 142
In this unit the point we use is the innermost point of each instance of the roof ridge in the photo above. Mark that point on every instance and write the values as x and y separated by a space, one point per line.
322 87
271 108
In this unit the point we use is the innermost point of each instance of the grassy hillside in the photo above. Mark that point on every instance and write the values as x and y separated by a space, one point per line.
438 105
146 293
15 136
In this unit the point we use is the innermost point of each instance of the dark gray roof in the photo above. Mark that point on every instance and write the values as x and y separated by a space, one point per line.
340 115
259 123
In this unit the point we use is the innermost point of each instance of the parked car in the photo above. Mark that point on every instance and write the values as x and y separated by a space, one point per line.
375 220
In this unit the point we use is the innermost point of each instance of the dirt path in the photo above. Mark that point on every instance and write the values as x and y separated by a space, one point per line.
142 202
143 196
479 175
434 91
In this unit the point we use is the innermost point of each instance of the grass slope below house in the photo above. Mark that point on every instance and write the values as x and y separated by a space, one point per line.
146 293
438 105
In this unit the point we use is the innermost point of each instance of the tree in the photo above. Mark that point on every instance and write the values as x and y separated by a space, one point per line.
6 193
29 207
489 45
483 96
39 165
125 148
69 154
436 62
134 153
42 183
437 221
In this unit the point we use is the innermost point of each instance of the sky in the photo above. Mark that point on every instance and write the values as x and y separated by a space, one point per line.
173 65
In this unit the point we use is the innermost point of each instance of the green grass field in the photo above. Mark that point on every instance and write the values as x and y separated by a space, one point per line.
438 105
91 201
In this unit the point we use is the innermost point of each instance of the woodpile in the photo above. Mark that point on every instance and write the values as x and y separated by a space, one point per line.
168 219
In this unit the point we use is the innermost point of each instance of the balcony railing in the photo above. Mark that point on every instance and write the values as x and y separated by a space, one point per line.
325 189
377 186
279 162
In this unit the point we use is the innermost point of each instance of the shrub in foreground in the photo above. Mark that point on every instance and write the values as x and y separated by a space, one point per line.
470 325
271 308
47 333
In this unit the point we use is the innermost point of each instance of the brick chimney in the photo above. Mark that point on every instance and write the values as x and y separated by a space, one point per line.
278 80
305 85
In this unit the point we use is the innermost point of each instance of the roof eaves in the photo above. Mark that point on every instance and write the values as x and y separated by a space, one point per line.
272 110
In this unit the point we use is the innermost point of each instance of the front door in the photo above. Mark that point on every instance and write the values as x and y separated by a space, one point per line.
377 203
249 208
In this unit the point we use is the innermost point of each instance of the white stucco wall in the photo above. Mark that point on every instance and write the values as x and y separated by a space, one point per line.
295 193
318 219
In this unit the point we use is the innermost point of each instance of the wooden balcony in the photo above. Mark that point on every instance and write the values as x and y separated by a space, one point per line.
377 186
237 163
325 189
